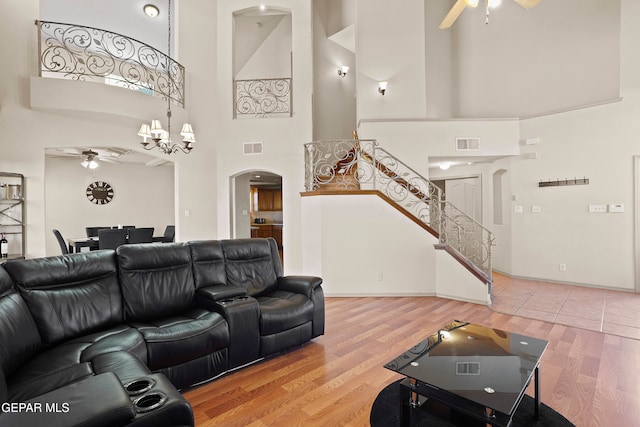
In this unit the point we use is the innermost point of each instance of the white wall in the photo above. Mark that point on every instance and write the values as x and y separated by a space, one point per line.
356 240
242 205
334 97
598 249
143 197
390 47
557 55
272 59
282 137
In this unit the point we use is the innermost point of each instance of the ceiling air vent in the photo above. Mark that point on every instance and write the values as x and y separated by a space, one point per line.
467 144
252 148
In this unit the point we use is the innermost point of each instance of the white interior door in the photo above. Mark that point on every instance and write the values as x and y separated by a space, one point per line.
466 195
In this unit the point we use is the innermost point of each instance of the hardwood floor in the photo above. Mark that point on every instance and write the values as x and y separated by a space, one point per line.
592 378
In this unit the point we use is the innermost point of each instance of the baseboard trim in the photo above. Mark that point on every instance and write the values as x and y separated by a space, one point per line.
382 294
560 282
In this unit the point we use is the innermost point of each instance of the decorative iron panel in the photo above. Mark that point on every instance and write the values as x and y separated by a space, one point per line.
90 54
262 98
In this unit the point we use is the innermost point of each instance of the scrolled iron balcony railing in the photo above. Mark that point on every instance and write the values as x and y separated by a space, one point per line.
353 165
84 53
262 98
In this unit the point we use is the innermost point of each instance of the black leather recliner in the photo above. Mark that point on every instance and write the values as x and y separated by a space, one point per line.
184 342
290 309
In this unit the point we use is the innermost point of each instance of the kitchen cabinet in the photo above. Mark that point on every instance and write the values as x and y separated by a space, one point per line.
276 233
12 213
269 230
266 199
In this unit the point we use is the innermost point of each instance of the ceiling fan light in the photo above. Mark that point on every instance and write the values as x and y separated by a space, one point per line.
93 164
85 163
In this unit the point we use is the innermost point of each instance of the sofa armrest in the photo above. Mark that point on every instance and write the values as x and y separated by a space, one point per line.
299 284
207 297
95 401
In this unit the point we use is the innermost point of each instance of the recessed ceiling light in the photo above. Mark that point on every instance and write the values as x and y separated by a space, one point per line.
263 7
445 166
151 10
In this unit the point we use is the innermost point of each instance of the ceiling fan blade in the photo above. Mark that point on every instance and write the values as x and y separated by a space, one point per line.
108 160
527 4
453 14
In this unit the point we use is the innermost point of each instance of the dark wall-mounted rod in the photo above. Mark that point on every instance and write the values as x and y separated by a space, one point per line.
563 182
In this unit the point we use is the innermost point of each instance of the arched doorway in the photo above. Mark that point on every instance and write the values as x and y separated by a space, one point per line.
256 206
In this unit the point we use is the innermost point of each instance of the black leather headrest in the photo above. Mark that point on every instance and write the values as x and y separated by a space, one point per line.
208 263
62 270
246 249
6 284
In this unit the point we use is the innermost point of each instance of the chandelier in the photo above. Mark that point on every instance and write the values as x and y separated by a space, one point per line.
155 132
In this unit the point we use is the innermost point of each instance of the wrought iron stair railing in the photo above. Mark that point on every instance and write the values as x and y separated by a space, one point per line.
82 53
351 166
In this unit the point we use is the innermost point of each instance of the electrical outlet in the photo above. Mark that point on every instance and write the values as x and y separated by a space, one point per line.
563 267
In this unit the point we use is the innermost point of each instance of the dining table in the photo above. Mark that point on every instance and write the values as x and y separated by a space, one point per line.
85 244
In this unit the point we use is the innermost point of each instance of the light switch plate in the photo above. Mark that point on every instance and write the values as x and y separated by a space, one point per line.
616 208
517 209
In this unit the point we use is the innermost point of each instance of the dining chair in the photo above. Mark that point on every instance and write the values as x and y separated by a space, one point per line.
93 231
141 235
63 245
169 234
111 239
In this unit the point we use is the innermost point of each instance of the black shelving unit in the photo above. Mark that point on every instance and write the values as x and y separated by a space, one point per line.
12 213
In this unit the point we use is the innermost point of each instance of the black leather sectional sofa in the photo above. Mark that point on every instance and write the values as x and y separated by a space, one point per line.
107 338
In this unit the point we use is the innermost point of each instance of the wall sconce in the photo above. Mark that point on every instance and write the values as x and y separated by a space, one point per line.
342 71
382 87
151 10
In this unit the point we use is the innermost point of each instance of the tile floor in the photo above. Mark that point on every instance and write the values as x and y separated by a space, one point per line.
612 312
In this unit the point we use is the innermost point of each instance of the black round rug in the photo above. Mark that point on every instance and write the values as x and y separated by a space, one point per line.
386 413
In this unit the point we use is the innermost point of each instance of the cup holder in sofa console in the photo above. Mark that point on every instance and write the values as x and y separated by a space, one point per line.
149 402
139 386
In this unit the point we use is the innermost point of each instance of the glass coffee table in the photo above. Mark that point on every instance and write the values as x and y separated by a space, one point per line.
474 370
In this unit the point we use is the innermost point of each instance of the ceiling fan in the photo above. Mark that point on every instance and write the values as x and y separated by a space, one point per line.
107 155
460 5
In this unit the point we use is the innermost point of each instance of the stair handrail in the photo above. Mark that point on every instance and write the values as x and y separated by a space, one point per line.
456 224
359 164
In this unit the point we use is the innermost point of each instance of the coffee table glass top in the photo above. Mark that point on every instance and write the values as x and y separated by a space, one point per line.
487 366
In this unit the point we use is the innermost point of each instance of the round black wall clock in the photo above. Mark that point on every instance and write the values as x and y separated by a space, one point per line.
99 192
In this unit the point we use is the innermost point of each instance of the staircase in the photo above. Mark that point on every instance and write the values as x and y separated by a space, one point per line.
362 167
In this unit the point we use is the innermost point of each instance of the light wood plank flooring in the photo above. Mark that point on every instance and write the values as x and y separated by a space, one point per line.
592 378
